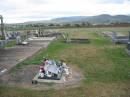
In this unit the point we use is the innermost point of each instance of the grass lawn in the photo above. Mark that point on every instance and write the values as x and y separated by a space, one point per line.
106 66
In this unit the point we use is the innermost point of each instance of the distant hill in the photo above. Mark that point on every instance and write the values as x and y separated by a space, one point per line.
104 18
99 19
69 19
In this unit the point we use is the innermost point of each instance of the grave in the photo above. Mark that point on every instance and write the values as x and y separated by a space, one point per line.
79 40
54 71
128 46
116 37
67 39
120 38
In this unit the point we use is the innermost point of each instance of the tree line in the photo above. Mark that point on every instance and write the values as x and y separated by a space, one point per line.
35 26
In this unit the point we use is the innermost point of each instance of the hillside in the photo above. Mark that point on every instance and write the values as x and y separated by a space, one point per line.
104 18
99 19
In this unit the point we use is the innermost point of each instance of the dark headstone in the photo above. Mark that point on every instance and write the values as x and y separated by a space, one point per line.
128 45
78 40
129 36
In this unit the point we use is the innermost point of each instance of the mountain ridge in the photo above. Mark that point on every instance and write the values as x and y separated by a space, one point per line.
103 18
99 19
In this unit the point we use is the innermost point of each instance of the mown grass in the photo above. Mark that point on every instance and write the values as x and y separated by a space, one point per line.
19 92
106 66
53 48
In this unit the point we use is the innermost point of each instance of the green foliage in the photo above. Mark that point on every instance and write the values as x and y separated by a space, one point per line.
10 44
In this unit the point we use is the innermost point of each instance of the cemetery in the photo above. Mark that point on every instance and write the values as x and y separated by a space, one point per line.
116 37
41 63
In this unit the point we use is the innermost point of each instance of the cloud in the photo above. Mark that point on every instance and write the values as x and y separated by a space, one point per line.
29 10
38 1
112 1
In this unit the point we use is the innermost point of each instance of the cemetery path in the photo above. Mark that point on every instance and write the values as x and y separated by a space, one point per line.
9 57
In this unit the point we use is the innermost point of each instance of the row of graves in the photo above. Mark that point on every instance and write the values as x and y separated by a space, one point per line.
116 38
64 35
43 33
17 36
119 39
6 37
22 38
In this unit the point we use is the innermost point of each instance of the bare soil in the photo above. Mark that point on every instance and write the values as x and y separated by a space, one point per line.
23 78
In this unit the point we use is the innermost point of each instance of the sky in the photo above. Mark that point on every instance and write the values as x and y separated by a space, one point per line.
17 11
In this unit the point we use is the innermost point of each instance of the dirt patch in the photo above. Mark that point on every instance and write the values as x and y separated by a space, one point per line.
24 76
9 57
21 76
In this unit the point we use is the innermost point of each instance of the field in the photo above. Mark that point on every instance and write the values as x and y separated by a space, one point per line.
105 66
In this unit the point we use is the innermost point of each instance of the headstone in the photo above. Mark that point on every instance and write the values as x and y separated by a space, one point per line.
128 45
1 43
114 34
18 38
129 36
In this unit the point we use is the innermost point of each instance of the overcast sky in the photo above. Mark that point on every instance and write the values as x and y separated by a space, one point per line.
15 11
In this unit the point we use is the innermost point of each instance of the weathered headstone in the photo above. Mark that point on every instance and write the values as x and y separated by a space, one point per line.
128 45
18 38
